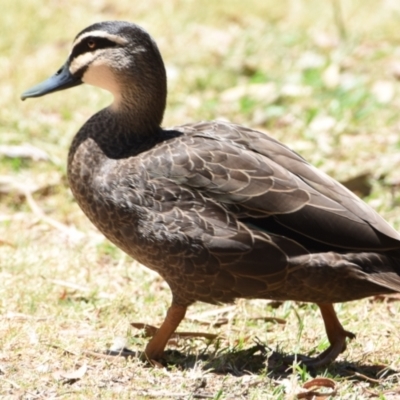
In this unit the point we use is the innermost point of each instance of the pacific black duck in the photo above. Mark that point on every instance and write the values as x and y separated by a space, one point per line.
220 211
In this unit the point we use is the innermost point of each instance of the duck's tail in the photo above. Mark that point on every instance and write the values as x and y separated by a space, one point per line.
382 269
334 278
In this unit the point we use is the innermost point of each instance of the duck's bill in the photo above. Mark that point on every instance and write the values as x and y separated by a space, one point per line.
63 79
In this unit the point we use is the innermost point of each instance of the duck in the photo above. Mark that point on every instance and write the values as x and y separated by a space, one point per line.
220 211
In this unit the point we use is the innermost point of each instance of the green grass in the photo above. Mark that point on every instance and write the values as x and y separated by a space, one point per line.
326 86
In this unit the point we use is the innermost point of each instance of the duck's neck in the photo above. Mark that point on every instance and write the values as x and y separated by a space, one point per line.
117 133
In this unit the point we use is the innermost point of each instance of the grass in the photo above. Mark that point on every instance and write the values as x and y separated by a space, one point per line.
323 79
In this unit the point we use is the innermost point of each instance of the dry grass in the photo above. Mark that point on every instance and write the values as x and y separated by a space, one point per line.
326 86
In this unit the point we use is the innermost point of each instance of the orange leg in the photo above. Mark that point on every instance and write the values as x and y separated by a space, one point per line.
336 335
155 348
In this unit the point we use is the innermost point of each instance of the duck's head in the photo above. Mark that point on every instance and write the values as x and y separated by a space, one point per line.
117 56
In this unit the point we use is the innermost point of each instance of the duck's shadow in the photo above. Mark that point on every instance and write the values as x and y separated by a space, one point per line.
261 360
275 364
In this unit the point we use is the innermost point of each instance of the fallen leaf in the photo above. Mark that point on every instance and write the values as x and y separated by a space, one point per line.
150 331
71 376
318 383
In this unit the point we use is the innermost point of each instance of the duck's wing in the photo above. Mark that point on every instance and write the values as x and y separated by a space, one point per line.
263 183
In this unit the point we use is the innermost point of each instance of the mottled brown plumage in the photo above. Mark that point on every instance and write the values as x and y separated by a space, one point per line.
218 210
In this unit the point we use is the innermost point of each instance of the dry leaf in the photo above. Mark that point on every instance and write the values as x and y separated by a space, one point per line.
72 376
318 383
150 331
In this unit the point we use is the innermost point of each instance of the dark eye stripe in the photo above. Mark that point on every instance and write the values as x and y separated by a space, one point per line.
82 47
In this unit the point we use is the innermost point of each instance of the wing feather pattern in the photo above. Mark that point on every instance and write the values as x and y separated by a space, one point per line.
258 177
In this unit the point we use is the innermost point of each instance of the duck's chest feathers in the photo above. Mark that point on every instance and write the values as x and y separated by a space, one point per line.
123 202
95 181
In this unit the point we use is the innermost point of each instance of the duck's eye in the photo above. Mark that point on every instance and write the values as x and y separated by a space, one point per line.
91 44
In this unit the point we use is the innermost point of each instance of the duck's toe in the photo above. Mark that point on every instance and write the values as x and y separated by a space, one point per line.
337 336
332 352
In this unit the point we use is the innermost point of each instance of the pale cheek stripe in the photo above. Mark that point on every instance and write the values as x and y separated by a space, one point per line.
82 61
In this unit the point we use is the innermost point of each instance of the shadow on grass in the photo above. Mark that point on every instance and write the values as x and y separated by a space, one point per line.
261 360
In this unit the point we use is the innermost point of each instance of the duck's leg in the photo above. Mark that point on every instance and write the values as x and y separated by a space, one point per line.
155 348
336 335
